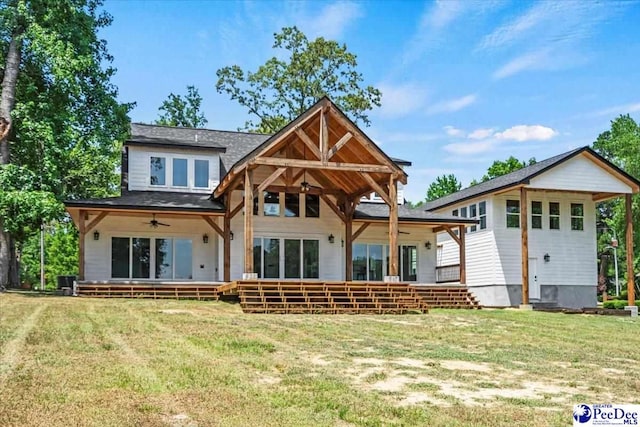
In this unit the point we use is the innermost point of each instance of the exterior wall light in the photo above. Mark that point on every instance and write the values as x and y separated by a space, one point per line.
428 245
231 235
547 257
205 239
331 238
96 235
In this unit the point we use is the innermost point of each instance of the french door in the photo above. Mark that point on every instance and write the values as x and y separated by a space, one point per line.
275 258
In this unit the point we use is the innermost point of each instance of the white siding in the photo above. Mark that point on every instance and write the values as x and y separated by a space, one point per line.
579 174
139 168
572 253
98 253
481 256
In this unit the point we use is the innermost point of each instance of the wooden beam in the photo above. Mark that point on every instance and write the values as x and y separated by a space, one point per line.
463 254
377 188
453 235
524 243
213 225
81 236
248 221
393 228
288 175
360 230
227 239
309 143
324 136
341 143
270 179
312 164
631 290
95 221
297 176
348 237
237 209
334 207
296 189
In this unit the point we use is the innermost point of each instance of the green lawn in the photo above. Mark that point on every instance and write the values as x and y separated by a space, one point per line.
75 361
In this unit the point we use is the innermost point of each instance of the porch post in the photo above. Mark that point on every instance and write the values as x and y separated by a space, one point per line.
348 240
248 226
631 290
227 238
463 254
393 230
81 234
524 243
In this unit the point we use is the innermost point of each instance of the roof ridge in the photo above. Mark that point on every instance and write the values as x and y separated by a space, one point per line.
202 129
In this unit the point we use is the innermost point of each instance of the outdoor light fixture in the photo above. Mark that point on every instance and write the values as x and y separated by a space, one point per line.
96 235
304 187
331 238
547 257
205 239
428 245
342 243
231 235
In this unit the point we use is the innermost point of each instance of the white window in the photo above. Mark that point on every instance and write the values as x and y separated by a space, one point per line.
577 216
536 214
180 173
513 214
473 213
482 209
554 216
201 173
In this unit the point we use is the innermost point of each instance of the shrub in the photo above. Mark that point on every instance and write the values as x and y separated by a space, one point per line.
618 304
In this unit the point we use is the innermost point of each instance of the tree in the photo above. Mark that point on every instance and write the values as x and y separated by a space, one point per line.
283 88
621 146
59 110
443 186
499 167
182 111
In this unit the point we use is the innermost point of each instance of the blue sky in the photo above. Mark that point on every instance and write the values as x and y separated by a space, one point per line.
463 82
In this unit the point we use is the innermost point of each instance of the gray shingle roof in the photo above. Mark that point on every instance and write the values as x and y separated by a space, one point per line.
368 210
153 200
520 176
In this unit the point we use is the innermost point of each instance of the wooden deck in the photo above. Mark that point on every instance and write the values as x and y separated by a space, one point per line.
287 296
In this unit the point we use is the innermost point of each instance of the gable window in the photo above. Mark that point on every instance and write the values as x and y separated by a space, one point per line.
513 214
473 213
201 173
291 205
536 214
180 172
577 216
312 206
554 216
271 204
482 209
463 212
158 171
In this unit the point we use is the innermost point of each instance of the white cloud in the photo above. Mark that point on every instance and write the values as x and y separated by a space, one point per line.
403 99
452 105
482 133
618 109
523 133
332 21
453 131
527 61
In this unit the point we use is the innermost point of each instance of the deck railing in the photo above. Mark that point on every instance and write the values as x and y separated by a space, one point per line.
448 273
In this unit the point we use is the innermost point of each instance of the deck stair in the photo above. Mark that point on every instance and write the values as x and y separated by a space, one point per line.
271 296
447 296
148 290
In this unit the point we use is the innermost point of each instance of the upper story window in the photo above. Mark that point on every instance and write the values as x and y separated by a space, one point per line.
312 206
158 171
455 212
473 213
554 216
536 214
577 216
513 214
180 173
201 173
291 205
271 204
482 210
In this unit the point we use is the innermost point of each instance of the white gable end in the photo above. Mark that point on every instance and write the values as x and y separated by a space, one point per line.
579 174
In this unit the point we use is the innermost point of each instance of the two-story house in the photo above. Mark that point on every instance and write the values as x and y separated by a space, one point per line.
318 200
536 236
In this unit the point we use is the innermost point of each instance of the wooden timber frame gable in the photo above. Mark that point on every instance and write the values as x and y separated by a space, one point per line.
327 146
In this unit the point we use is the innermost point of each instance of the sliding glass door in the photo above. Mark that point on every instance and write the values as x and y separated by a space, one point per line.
300 258
371 260
139 257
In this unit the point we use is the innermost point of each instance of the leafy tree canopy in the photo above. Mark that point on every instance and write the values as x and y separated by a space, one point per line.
443 186
177 110
284 87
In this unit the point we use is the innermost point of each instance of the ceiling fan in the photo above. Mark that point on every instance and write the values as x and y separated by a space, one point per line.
154 223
